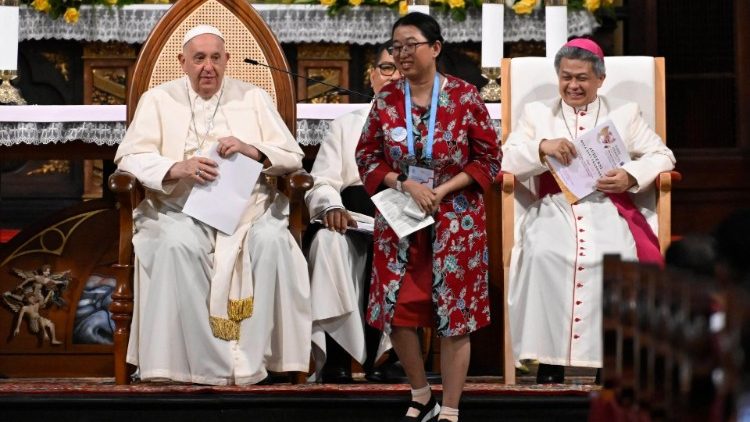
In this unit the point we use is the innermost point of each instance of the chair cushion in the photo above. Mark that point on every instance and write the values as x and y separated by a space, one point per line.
628 77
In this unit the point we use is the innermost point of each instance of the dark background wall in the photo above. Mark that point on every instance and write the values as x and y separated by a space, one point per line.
707 49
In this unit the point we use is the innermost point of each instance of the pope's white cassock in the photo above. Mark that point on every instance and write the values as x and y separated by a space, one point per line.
555 288
189 275
337 262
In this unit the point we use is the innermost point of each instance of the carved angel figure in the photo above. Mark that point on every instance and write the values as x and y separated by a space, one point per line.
33 294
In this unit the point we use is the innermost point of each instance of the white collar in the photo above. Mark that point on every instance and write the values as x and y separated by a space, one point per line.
589 108
194 96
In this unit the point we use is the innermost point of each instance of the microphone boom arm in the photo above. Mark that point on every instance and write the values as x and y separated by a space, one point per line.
255 62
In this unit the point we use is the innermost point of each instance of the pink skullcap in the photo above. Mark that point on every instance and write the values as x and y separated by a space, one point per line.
587 45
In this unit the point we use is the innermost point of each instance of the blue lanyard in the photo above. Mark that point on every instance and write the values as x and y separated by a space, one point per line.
427 152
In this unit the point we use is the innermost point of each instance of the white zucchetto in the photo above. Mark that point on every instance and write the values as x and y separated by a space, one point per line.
200 30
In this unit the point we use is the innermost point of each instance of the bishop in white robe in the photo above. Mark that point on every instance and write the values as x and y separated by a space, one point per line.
555 292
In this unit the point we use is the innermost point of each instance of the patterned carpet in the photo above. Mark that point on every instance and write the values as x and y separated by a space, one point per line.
107 387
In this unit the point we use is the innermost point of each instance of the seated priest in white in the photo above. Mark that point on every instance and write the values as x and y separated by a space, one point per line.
213 308
555 290
340 258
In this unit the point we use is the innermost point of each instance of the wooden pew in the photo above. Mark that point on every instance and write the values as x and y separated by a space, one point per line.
673 345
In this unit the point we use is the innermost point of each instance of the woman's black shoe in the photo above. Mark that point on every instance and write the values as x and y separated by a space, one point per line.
550 374
427 412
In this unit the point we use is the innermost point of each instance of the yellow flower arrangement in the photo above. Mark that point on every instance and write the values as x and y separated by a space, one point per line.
454 4
524 7
68 9
458 8
41 5
594 5
403 7
71 15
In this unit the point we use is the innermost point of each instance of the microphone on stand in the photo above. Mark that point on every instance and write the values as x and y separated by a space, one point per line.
327 92
340 89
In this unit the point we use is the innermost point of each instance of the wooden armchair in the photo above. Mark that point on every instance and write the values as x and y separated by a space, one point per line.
247 36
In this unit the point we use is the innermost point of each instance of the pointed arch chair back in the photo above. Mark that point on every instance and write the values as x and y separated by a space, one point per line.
246 36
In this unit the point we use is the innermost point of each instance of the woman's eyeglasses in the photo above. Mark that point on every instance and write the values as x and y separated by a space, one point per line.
407 48
386 69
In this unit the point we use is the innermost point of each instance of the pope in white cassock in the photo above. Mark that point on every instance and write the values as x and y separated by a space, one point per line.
555 289
337 259
213 308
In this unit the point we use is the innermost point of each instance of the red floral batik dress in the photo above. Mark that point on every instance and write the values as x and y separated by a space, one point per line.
464 141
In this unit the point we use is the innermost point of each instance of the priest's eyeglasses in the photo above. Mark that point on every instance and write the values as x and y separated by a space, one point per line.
407 48
386 69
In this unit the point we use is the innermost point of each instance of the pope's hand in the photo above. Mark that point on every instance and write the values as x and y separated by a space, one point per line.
200 169
229 145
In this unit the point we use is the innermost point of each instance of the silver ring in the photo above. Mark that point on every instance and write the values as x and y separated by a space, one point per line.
198 172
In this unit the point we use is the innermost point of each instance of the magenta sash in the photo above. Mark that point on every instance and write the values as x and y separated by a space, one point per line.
646 242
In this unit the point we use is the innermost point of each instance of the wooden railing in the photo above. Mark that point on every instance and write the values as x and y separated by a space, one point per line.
674 345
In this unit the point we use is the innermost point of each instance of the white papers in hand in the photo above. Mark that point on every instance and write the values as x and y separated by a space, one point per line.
599 150
413 210
391 204
221 203
365 223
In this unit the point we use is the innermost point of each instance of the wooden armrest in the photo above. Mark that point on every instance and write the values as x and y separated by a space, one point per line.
297 182
294 185
664 206
129 193
507 186
665 180
123 182
508 183
508 218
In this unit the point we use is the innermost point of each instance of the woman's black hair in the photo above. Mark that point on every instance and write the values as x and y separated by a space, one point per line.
426 24
386 46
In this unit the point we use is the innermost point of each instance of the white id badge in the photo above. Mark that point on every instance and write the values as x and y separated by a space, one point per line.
422 175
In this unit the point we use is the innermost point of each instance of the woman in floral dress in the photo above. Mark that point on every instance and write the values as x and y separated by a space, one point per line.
438 275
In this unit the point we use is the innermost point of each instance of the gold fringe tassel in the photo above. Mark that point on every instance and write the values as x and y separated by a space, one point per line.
239 309
224 329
